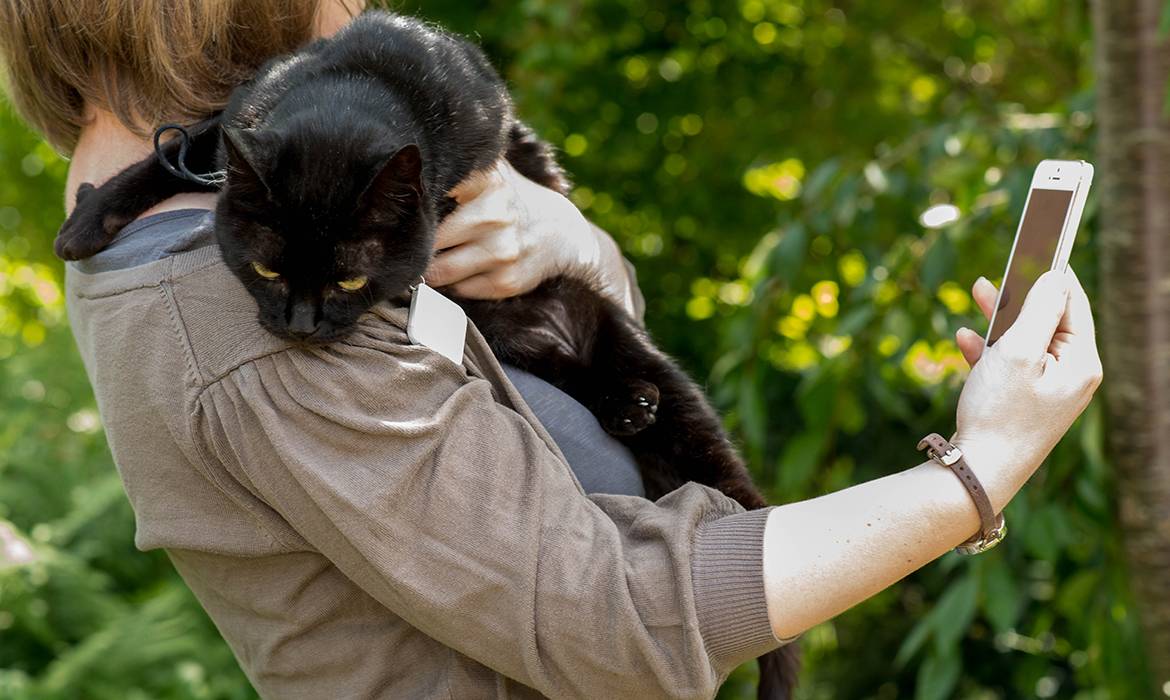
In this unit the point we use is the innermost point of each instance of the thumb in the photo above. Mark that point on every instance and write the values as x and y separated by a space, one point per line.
1045 305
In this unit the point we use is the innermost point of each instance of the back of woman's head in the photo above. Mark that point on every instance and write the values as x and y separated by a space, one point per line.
147 61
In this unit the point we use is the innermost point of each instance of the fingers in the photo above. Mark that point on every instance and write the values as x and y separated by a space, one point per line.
1078 320
471 259
1044 308
477 183
970 344
497 284
455 265
472 220
1077 334
985 295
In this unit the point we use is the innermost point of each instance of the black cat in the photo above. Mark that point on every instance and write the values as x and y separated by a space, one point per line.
338 159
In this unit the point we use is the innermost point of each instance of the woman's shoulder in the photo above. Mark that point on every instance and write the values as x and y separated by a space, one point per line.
219 322
162 286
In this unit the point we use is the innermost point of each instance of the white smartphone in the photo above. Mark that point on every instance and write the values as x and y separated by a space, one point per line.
1044 239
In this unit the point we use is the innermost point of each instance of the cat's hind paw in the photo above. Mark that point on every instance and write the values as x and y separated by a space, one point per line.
630 408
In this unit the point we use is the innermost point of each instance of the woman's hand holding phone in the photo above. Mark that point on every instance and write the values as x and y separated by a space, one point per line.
1025 391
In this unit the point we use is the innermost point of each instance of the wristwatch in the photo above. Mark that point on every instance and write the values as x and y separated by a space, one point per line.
992 527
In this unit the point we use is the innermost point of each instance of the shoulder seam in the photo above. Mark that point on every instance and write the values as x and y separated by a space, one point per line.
208 474
180 330
196 381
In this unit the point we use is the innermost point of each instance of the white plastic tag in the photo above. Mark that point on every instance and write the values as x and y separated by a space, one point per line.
436 322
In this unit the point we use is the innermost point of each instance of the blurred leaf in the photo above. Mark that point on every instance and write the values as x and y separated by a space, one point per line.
820 178
1047 532
939 263
789 254
1002 599
799 460
854 321
1077 592
938 676
914 641
954 612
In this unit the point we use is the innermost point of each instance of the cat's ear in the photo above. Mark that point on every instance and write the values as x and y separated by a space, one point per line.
246 156
399 178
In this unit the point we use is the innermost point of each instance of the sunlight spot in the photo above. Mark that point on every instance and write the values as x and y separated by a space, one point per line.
14 551
804 308
889 345
834 345
764 33
923 88
576 145
700 308
852 268
939 215
753 10
735 293
780 180
954 298
824 293
647 123
636 69
792 327
84 421
670 69
875 176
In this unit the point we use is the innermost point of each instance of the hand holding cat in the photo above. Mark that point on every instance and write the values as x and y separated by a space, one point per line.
509 234
1025 391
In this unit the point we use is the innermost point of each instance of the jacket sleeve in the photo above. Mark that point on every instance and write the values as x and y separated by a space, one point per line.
450 510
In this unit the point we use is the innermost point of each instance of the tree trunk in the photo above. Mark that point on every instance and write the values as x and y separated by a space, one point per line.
1133 187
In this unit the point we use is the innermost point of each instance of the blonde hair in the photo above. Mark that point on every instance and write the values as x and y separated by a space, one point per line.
147 61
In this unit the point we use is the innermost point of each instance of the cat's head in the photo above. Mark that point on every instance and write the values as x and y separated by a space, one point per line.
320 227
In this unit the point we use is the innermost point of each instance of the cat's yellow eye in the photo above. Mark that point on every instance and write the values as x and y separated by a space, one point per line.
352 285
264 271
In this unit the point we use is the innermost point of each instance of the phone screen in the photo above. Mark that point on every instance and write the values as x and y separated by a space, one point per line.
1035 249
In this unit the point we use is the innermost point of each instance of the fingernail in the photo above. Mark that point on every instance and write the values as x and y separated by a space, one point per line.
981 279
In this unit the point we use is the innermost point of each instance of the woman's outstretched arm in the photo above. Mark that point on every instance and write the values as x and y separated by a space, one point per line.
825 555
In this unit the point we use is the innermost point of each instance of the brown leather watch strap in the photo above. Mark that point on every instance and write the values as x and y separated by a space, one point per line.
992 528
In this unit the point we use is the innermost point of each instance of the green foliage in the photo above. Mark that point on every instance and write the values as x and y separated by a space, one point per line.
765 164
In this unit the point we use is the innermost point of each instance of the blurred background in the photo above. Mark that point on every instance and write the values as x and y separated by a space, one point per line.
808 189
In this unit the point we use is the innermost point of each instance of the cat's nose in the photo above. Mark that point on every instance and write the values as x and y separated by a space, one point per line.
302 321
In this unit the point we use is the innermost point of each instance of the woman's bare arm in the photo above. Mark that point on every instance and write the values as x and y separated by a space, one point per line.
825 555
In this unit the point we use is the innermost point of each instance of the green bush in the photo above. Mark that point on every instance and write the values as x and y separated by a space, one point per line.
764 163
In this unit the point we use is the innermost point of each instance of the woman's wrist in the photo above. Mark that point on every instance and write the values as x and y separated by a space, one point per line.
611 267
1001 470
585 247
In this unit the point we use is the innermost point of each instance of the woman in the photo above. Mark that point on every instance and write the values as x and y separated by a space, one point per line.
368 519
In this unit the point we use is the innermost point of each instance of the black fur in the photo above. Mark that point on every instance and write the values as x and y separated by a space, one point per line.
338 161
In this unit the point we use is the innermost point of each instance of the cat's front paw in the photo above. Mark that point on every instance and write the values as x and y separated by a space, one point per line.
629 408
91 226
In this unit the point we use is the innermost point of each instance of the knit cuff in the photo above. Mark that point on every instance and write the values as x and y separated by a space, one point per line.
727 569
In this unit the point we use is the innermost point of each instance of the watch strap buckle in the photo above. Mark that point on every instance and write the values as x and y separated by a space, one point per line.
993 527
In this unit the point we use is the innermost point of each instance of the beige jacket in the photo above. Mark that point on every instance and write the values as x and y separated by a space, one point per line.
370 520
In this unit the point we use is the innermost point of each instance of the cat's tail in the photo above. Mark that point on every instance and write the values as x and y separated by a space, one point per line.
779 670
